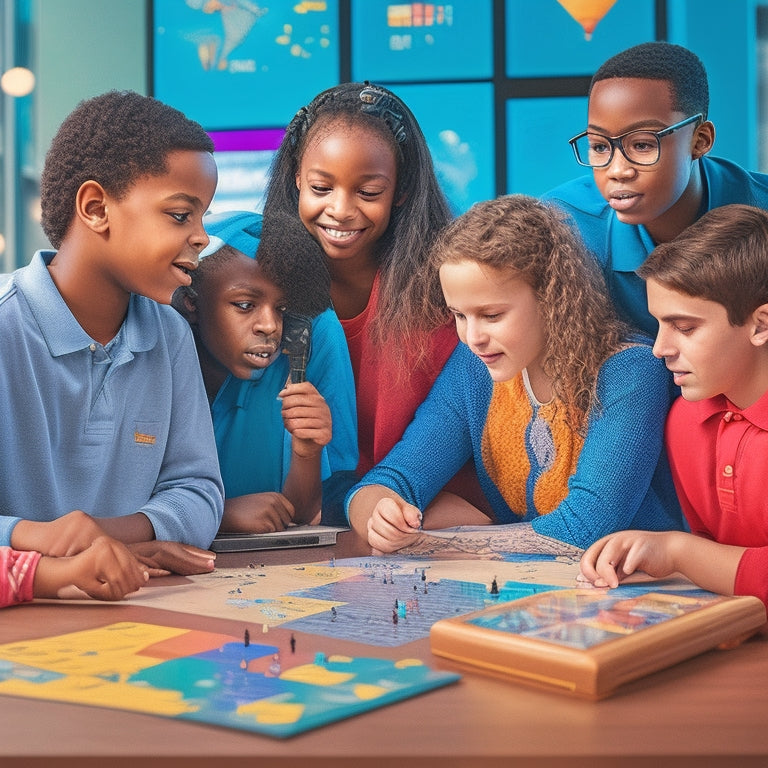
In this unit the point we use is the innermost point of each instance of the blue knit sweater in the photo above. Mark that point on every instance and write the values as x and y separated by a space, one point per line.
618 477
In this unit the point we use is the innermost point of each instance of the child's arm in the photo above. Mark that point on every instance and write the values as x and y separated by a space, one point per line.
76 531
384 519
63 537
617 485
106 570
257 513
308 419
164 557
187 501
706 563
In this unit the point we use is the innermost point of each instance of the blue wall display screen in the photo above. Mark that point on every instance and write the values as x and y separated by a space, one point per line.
243 64
403 42
460 140
498 86
243 159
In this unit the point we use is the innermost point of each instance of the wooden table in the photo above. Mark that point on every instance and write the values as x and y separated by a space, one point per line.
709 711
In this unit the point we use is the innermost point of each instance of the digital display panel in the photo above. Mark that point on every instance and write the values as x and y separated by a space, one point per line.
242 64
407 42
243 159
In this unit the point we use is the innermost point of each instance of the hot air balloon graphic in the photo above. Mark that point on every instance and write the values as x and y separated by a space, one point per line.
587 12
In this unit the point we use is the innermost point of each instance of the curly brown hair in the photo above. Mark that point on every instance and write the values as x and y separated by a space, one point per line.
535 240
114 139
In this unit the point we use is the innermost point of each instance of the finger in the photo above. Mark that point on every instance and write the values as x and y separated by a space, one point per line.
630 563
382 545
412 516
589 560
606 568
105 590
153 572
193 551
387 528
394 514
185 567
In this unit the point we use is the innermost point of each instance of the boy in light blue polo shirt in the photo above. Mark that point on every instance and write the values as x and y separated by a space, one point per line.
103 407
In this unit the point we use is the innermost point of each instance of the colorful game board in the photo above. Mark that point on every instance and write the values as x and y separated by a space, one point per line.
590 642
371 600
206 677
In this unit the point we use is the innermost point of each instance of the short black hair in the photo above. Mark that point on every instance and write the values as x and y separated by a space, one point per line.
113 139
659 60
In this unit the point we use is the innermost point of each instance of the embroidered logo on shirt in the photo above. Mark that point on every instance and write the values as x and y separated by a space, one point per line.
140 437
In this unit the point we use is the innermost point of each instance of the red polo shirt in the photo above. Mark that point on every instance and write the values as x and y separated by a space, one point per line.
719 456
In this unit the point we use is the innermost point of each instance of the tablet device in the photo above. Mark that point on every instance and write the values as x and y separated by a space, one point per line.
295 536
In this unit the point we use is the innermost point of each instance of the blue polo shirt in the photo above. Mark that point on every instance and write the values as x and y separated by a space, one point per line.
254 445
621 248
110 430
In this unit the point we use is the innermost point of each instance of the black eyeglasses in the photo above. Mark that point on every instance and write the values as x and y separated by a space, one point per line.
639 147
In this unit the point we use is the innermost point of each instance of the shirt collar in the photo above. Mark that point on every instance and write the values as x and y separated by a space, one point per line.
630 244
61 331
756 414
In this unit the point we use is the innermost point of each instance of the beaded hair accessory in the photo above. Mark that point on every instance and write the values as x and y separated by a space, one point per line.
375 101
381 104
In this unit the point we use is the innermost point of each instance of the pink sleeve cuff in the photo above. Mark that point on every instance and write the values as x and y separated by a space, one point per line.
17 575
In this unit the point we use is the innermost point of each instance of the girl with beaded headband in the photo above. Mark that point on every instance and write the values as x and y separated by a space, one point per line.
355 167
562 413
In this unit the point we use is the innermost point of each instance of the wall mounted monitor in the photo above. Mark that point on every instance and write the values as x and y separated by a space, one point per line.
242 63
407 42
243 158
457 120
543 39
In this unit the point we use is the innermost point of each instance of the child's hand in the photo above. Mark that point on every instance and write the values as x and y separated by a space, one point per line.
393 525
307 417
106 570
614 557
257 513
164 557
63 537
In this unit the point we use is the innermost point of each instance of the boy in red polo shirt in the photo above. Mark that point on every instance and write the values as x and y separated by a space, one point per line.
708 288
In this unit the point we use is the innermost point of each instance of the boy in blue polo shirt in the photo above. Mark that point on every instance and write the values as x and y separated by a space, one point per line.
103 407
287 449
647 142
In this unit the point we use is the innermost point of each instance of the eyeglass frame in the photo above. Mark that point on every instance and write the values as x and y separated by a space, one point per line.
617 141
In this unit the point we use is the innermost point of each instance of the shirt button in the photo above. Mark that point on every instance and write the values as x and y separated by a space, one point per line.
728 416
727 470
92 347
737 417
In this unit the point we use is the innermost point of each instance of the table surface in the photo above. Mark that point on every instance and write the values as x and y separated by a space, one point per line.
709 710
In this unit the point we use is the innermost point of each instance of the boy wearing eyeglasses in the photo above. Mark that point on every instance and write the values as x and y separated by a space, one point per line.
647 141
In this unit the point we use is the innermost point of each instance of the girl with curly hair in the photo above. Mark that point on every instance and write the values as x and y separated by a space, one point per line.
562 411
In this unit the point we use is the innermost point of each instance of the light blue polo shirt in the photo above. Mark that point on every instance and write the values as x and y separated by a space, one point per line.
109 430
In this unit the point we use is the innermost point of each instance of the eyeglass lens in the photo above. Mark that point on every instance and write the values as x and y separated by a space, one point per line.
641 147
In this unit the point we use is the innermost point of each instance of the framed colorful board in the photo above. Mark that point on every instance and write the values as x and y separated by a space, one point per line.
588 642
